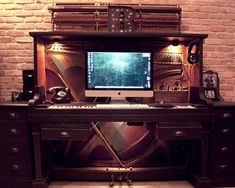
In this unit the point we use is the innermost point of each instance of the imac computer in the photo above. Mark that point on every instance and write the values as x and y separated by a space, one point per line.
118 74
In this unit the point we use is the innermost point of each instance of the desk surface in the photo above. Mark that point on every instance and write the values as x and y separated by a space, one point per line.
43 113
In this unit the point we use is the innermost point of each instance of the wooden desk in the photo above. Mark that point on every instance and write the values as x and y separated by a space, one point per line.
173 124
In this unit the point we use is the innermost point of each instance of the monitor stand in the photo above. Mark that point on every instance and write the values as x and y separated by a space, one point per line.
118 100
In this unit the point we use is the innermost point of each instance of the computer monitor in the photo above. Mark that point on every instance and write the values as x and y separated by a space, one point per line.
119 74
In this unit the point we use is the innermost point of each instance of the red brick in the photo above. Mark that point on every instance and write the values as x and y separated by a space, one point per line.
2 20
213 9
2 33
43 26
26 39
226 87
7 1
7 66
12 7
25 26
24 1
24 13
7 13
7 53
6 39
12 72
25 66
42 13
226 74
225 35
15 33
224 49
217 28
14 20
13 59
33 20
33 7
228 9
7 26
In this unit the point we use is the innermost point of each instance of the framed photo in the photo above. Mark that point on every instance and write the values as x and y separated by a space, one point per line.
210 79
211 85
210 93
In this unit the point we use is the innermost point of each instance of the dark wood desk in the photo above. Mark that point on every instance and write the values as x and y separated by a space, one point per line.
172 124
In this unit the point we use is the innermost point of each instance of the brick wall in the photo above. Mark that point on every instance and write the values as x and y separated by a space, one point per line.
214 17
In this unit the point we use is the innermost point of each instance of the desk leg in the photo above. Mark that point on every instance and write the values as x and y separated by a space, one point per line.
202 180
39 181
204 156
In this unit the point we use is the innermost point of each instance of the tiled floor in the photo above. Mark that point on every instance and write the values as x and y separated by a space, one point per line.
160 184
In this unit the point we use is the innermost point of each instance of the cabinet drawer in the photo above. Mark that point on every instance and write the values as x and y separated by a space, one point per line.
222 166
178 131
13 115
64 134
226 115
223 131
16 168
222 150
14 131
13 183
15 149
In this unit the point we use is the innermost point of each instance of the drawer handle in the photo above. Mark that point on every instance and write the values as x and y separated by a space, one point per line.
12 115
14 150
30 91
227 115
13 131
64 134
15 167
224 149
226 131
223 167
179 134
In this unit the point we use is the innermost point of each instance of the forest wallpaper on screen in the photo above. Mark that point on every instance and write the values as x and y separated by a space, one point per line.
119 70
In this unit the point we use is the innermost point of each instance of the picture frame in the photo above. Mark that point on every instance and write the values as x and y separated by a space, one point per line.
210 79
210 93
211 85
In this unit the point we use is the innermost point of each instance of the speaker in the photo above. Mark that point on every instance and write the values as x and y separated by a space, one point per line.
28 78
28 84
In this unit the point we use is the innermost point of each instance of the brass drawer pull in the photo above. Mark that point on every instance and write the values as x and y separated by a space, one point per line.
64 134
223 166
30 91
12 115
14 150
226 131
15 167
179 133
224 149
227 115
13 131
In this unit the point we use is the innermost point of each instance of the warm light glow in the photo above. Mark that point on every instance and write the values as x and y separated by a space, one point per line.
56 47
174 49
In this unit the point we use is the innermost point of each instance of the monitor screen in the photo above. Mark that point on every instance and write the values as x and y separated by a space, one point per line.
119 74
